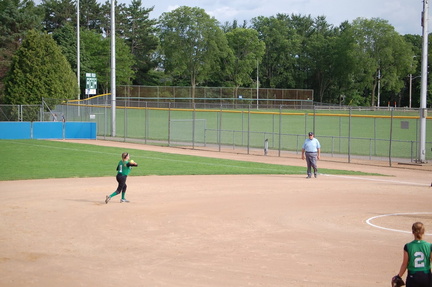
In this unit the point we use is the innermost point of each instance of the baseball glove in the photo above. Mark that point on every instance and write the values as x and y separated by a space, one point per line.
397 281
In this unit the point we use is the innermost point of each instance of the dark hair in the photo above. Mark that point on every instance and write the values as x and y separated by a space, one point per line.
124 155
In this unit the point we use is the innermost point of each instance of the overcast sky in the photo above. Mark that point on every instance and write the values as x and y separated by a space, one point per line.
404 15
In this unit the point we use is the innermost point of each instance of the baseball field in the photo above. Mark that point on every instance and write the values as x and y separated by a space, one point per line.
345 228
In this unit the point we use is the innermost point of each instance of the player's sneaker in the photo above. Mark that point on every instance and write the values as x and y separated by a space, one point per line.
107 199
123 200
315 175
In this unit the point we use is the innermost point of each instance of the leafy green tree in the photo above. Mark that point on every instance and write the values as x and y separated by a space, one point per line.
415 73
341 90
382 56
304 29
191 44
38 70
327 60
278 68
228 26
248 51
97 57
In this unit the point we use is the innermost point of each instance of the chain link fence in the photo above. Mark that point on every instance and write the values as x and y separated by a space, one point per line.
345 133
12 113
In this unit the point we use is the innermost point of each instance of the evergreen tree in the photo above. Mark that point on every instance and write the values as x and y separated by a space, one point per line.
39 70
139 34
16 18
58 13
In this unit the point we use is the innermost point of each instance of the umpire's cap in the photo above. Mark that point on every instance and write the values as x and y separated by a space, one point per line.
311 133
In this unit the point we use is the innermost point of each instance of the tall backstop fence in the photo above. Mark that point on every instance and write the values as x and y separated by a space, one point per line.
346 133
178 97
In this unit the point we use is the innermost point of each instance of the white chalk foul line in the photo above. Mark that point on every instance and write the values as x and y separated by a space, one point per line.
369 221
361 177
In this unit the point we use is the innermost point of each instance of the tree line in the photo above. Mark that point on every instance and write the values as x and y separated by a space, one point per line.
356 63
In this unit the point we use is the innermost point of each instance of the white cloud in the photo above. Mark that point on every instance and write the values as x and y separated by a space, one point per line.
403 15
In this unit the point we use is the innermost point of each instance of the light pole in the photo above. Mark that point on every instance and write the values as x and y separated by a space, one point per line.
424 64
78 48
113 72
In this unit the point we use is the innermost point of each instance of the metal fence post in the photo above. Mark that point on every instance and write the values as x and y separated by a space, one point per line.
391 135
273 132
314 119
280 130
125 121
349 135
412 154
220 127
146 123
305 123
248 131
169 124
242 130
332 149
375 138
193 125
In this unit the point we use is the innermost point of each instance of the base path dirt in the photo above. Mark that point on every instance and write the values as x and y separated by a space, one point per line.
221 230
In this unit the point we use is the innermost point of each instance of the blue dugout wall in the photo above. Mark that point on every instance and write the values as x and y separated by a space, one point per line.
47 130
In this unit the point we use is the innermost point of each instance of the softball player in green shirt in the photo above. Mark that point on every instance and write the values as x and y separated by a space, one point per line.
417 257
123 169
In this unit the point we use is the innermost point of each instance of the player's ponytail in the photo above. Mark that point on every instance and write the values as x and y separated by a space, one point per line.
418 230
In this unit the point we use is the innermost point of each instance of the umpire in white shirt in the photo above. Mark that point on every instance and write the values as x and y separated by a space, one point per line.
311 151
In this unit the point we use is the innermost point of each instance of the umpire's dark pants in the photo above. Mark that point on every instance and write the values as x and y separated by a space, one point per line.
311 161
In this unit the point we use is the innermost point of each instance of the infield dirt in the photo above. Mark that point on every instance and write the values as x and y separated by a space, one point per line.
222 230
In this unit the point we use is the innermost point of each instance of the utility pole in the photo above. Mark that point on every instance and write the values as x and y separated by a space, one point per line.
423 91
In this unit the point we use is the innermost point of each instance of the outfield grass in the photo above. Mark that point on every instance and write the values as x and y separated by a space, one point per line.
40 159
362 135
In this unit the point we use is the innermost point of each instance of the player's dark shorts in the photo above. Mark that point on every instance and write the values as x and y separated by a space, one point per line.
418 279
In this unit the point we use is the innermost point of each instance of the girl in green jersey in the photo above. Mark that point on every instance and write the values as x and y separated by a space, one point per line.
123 169
416 258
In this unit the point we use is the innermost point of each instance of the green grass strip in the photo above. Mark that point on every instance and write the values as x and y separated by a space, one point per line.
41 159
